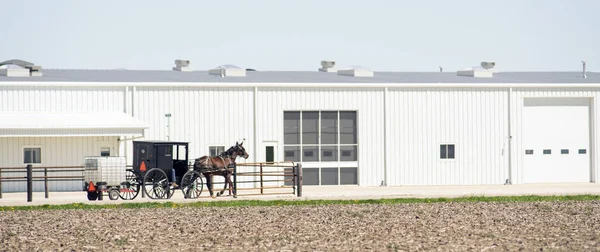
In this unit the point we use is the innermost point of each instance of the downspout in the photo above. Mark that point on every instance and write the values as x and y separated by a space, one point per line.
255 138
125 105
509 180
385 145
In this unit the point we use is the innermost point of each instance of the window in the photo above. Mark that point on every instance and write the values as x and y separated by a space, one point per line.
528 152
327 137
329 176
105 151
320 136
564 151
32 155
547 152
447 151
216 150
582 151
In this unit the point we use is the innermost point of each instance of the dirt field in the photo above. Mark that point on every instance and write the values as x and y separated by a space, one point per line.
563 226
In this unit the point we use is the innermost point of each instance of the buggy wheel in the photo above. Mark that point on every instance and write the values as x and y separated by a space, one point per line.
191 185
131 187
92 195
156 184
113 194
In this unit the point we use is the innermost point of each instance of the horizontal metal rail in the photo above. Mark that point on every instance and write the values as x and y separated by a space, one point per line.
286 171
28 177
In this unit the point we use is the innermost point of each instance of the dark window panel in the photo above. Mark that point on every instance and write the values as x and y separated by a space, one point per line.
291 127
348 130
329 176
310 153
329 127
310 127
310 176
349 153
291 153
329 153
451 151
348 176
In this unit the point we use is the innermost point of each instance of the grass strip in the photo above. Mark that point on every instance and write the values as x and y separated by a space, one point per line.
300 202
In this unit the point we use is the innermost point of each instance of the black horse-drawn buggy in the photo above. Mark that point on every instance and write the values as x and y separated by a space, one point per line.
161 167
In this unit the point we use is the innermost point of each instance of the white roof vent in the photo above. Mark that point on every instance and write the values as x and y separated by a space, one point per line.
356 71
182 65
228 70
327 66
485 71
19 68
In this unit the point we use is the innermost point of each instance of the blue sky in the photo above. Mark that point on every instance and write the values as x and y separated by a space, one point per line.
392 35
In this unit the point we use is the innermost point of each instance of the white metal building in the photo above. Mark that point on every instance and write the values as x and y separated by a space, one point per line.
347 126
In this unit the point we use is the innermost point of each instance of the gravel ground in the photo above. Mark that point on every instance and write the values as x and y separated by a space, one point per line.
562 226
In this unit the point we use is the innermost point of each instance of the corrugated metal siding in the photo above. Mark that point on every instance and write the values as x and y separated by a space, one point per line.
56 151
62 99
201 116
520 94
475 120
368 103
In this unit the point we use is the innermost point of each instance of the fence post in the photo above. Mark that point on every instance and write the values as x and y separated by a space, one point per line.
29 183
299 178
46 182
0 183
261 178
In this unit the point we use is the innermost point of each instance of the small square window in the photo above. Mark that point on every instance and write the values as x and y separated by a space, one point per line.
216 150
564 151
528 152
582 151
447 151
547 152
32 155
105 151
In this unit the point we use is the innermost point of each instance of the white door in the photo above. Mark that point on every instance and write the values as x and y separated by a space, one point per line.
556 140
269 152
269 155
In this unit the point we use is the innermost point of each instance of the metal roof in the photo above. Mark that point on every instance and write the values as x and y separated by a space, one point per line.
161 76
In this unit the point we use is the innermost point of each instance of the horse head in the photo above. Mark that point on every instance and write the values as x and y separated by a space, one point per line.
241 151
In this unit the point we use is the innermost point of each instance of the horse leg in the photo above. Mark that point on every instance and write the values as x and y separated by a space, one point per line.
230 184
208 177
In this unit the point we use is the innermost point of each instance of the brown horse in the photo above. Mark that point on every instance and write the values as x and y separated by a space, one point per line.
220 165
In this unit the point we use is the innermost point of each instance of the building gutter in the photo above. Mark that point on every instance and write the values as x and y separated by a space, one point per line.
385 134
255 138
510 180
295 85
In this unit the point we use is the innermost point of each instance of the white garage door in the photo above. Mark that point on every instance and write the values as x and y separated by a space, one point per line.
556 140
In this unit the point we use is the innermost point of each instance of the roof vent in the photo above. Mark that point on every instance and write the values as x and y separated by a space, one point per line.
356 71
228 70
327 66
182 65
19 68
479 72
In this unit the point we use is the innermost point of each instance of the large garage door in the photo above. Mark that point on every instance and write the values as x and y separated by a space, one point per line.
556 140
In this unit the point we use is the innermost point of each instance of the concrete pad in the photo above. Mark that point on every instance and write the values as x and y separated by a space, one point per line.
329 192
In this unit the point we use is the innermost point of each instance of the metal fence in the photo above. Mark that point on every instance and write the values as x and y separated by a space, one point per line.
267 177
39 174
